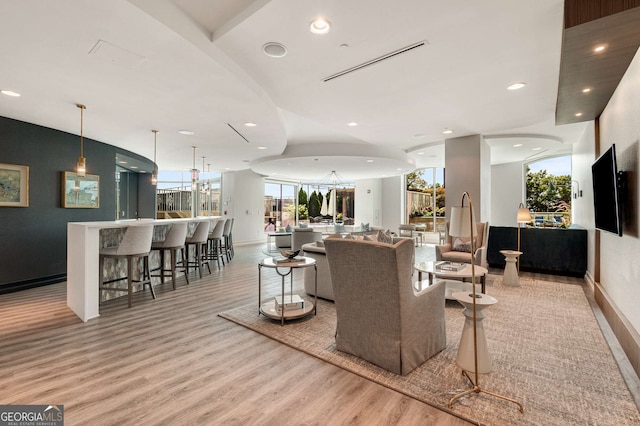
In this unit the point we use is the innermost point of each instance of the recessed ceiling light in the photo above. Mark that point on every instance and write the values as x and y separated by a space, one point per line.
262 147
10 93
274 50
516 86
369 161
578 114
536 149
320 26
419 135
352 124
399 169
141 171
316 159
250 124
122 162
134 167
246 161
447 131
227 168
586 90
517 145
344 46
420 153
433 156
599 48
186 132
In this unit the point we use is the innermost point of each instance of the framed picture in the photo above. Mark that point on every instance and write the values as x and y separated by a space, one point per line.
80 192
14 185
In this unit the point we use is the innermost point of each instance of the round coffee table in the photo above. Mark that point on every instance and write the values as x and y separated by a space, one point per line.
463 275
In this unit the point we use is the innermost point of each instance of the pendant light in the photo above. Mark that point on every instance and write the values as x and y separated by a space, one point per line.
154 174
194 171
82 162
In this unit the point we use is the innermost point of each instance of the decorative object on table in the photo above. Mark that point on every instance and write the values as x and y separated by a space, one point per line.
80 192
524 216
14 185
445 265
288 255
463 224
291 302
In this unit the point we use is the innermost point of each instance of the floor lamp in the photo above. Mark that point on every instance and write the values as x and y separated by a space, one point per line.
463 224
524 216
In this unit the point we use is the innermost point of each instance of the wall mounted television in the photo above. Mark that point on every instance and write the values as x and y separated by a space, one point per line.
607 192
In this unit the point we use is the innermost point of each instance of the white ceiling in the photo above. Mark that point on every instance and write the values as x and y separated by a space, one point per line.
198 65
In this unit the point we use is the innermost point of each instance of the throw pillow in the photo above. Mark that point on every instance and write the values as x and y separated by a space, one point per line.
349 237
370 237
303 225
385 237
319 243
462 245
288 228
364 227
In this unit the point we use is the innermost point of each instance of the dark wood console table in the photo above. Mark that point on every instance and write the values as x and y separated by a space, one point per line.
546 250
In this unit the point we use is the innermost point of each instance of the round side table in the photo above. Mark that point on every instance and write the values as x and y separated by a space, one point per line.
465 350
510 276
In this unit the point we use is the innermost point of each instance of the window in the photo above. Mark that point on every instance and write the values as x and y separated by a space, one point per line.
175 192
279 205
425 197
548 191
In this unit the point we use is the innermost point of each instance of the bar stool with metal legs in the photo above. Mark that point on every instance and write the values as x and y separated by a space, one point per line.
199 241
226 239
174 241
215 242
135 244
230 243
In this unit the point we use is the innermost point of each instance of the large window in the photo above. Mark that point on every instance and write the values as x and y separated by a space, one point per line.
176 192
548 191
279 205
425 197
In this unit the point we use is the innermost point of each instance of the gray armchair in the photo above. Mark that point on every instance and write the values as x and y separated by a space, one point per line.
380 316
448 251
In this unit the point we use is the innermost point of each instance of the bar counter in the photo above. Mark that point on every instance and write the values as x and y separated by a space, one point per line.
83 253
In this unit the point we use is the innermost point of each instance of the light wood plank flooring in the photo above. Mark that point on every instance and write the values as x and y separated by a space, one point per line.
174 361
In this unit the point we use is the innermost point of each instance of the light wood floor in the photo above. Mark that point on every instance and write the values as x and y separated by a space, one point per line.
174 361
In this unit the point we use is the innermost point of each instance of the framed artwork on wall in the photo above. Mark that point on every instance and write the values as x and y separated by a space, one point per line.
14 185
80 192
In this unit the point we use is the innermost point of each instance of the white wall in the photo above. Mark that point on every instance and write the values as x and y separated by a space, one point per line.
468 169
508 191
582 212
243 198
619 265
392 203
368 196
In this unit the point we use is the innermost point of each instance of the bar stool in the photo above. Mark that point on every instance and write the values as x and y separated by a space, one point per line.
199 241
226 237
173 241
215 242
135 244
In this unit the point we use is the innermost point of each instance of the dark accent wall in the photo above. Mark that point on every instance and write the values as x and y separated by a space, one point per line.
33 240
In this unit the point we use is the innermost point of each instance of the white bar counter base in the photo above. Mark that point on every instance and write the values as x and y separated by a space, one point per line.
83 255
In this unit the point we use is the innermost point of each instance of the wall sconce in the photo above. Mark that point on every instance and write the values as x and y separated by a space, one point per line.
578 193
154 174
81 169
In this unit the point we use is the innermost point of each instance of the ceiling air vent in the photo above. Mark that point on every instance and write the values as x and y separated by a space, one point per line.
239 134
376 60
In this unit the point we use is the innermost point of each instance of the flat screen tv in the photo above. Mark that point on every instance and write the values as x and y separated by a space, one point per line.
606 192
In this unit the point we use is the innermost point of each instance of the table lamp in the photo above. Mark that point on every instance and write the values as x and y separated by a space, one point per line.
463 224
524 216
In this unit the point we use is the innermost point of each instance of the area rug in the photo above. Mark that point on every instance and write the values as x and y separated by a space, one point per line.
547 349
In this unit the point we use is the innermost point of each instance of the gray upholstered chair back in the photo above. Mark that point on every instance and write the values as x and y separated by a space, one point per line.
380 317
227 226
176 236
219 228
136 240
201 233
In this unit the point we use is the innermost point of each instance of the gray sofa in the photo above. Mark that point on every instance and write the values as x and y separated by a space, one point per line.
325 288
